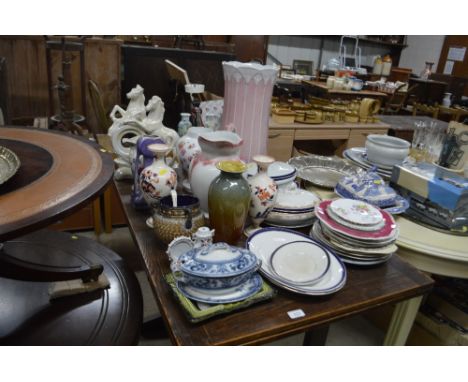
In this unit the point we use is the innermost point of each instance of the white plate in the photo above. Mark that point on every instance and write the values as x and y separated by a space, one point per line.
356 212
339 245
224 295
300 262
357 242
264 242
348 260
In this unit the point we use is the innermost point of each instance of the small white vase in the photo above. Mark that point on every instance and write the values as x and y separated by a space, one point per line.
263 192
158 179
184 125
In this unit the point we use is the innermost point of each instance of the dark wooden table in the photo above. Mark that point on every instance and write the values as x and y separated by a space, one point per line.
394 282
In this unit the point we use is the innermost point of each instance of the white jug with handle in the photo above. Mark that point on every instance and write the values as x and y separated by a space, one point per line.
447 101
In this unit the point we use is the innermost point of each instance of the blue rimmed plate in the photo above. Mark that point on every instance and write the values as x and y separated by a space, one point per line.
264 242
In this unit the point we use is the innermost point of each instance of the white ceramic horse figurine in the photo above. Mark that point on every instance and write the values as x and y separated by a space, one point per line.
153 124
135 108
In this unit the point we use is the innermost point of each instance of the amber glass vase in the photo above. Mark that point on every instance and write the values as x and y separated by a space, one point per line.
228 202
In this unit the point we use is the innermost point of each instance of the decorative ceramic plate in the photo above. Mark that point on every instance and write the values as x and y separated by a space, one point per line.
387 232
322 171
9 164
300 262
224 295
355 226
400 206
264 242
356 212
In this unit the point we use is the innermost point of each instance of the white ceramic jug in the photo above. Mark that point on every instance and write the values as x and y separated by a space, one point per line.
447 101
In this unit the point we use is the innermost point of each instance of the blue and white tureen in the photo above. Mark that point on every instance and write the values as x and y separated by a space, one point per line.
216 266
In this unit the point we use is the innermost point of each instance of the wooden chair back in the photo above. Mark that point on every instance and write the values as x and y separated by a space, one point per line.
398 100
104 121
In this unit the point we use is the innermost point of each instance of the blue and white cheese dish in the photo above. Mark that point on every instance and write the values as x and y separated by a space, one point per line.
368 187
216 266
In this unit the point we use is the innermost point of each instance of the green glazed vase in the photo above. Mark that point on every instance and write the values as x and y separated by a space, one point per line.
228 202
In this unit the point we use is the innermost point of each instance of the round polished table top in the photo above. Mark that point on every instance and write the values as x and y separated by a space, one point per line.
59 173
28 316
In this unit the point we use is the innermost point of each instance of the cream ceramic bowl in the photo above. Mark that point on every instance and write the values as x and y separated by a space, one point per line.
385 150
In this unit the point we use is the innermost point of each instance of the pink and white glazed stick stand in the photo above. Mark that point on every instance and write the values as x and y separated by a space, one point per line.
248 88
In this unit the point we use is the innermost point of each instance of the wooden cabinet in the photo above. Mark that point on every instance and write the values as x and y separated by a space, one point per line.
280 144
357 137
86 218
340 136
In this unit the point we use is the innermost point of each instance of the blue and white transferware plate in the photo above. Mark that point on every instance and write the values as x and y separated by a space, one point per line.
400 206
217 260
225 295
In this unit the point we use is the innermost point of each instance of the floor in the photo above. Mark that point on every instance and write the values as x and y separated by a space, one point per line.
355 331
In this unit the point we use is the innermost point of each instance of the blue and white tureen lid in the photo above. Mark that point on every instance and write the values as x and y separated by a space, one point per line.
366 186
217 260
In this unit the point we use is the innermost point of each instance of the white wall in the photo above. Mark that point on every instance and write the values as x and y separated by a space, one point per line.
288 48
421 49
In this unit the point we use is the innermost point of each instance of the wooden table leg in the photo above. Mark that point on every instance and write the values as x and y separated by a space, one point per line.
402 321
107 210
316 337
97 216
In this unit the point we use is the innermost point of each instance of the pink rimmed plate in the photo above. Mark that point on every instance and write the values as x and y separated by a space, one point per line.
386 232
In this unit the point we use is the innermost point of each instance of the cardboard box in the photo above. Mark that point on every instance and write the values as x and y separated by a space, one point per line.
435 194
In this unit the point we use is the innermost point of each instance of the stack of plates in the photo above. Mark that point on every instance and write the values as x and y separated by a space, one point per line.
358 156
296 262
358 232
